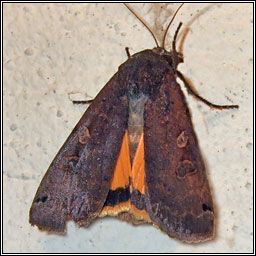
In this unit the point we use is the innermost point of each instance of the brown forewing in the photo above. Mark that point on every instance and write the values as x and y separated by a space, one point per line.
178 197
78 180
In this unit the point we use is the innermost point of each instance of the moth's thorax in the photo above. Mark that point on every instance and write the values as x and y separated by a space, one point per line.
143 73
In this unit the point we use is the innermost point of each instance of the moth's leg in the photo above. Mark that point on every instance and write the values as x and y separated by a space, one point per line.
82 101
127 52
191 91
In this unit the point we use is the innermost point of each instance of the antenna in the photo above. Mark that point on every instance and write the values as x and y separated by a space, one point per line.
175 37
142 23
166 31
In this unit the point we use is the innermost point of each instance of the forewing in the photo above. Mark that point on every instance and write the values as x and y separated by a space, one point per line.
77 182
178 197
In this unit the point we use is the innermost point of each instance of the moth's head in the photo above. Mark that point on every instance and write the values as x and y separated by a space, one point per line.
173 57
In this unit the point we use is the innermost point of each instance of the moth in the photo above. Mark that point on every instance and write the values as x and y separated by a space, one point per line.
133 154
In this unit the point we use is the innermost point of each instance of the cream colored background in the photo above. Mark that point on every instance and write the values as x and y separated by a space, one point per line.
57 52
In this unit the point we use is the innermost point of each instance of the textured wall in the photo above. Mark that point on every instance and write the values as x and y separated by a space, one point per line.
57 52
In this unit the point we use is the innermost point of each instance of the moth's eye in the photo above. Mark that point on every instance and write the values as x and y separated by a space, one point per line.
41 199
205 207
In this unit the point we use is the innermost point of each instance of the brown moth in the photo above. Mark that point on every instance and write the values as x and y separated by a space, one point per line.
133 154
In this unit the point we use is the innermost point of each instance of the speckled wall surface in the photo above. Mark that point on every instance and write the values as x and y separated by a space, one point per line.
54 53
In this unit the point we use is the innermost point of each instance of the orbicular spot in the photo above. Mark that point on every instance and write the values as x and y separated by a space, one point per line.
182 140
83 135
185 168
41 199
69 163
